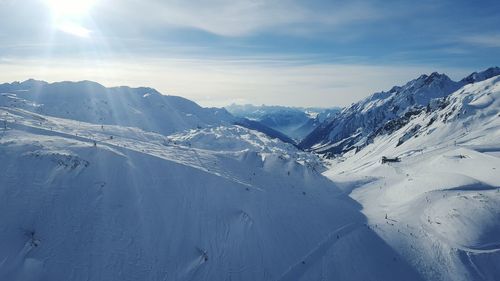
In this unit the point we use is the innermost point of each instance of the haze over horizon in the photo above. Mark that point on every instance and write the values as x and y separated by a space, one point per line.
319 53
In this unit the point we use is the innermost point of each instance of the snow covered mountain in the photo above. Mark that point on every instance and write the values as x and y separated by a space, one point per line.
481 76
88 101
382 113
439 204
128 200
294 122
144 108
84 202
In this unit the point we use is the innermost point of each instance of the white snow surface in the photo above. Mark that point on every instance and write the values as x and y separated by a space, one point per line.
237 138
84 201
439 207
142 206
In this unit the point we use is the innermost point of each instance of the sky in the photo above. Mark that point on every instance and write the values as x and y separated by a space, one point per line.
287 52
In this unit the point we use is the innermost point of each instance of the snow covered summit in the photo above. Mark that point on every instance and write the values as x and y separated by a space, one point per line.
88 101
383 112
439 204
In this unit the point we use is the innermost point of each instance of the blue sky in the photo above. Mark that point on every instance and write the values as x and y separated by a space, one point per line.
303 53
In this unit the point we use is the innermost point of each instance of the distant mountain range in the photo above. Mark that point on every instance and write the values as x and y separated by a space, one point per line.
295 122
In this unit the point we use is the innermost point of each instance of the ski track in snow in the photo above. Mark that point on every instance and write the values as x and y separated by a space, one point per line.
297 270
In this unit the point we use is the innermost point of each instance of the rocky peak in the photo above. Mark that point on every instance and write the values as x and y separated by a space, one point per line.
481 76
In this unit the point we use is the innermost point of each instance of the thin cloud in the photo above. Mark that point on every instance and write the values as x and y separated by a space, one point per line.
244 17
482 40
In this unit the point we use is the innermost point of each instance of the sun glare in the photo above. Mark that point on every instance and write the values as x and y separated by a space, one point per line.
73 8
68 16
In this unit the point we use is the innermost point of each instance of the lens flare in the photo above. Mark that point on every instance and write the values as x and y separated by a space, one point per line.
73 8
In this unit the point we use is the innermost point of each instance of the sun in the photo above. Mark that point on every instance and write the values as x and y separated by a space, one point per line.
68 15
70 8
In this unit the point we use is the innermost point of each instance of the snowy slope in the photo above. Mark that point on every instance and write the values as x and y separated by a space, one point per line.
119 201
383 113
222 203
440 206
237 138
258 126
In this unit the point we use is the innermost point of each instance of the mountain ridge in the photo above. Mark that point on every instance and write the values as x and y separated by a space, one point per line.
141 107
357 125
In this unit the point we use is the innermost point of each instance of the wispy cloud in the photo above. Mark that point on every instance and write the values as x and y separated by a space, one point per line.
482 40
245 17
